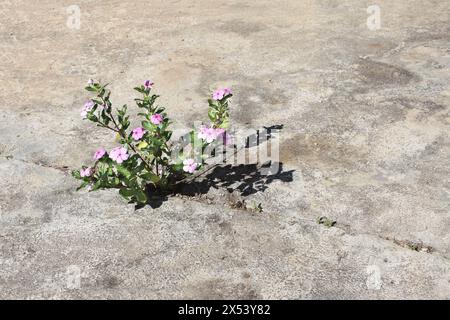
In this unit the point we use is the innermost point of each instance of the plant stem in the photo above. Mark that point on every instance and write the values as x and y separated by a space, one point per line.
122 134
107 127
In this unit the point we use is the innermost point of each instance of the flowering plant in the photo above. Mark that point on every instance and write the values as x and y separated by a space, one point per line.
146 155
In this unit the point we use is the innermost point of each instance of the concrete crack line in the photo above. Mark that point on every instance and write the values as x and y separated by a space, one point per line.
62 168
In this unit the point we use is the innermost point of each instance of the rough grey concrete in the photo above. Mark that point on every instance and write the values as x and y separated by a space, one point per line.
365 137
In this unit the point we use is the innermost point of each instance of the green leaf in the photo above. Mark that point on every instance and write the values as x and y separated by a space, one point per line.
142 145
123 110
97 185
150 176
140 195
115 181
194 139
177 167
92 117
168 134
212 113
124 171
84 184
225 124
213 103
140 89
148 125
126 193
156 142
76 174
326 221
106 119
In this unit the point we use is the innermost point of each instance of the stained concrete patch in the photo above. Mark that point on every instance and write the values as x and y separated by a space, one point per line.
376 73
322 150
242 28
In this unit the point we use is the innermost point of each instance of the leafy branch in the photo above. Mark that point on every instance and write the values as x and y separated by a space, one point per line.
145 153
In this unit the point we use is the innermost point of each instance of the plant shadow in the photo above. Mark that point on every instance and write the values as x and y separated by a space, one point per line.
156 198
247 179
262 135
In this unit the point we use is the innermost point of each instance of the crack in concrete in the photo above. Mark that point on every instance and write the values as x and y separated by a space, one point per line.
62 168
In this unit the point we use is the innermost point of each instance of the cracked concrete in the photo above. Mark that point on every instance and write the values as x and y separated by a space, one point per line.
365 142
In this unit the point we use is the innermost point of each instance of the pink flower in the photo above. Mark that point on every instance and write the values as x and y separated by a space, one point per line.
87 172
208 134
99 153
119 154
189 165
90 82
219 132
148 84
138 133
86 108
156 118
218 94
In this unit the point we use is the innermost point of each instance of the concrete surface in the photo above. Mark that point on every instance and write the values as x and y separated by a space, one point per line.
365 142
